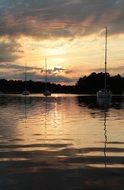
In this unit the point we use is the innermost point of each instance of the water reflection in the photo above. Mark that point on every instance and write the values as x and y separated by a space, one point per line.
63 138
104 103
25 109
105 135
116 102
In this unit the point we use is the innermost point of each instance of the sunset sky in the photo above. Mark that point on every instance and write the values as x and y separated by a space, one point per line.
69 33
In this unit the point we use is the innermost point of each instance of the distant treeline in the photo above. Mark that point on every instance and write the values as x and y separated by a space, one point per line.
86 85
18 86
95 81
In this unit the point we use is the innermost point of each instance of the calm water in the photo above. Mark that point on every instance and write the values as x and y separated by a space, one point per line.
64 142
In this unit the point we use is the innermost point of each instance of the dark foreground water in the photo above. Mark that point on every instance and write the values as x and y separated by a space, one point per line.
63 142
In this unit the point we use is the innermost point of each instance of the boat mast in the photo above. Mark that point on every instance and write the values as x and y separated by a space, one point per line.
25 75
105 56
45 74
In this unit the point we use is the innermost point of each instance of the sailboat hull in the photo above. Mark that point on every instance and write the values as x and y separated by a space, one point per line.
26 92
47 93
104 94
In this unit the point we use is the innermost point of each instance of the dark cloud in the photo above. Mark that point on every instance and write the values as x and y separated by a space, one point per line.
36 77
60 18
60 79
9 51
58 69
17 67
17 73
69 71
11 66
54 71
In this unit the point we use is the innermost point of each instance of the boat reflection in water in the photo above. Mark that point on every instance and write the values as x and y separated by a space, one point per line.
104 102
105 136
62 144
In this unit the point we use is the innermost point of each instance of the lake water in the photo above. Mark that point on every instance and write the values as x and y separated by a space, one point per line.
62 142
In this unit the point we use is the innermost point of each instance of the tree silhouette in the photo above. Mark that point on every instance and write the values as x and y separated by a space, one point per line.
86 85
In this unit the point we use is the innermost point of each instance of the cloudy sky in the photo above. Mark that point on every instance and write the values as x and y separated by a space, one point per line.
69 33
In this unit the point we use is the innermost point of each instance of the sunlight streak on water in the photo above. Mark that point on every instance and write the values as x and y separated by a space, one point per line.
60 132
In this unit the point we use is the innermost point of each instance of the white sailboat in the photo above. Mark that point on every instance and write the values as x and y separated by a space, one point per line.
25 92
46 92
104 93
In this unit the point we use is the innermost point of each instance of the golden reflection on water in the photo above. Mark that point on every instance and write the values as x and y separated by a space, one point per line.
62 129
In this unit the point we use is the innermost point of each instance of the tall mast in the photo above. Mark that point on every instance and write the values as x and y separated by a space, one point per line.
105 55
45 74
25 75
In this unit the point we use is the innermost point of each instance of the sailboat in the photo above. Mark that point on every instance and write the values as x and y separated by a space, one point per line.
25 92
105 93
46 92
